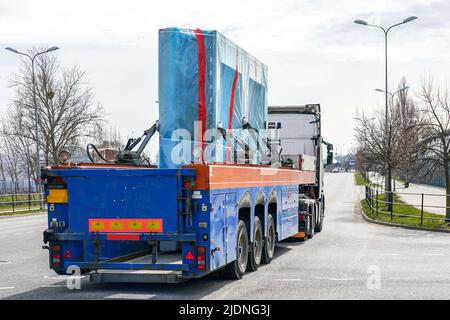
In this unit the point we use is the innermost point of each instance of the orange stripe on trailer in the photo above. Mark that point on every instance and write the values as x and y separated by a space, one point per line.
126 225
237 176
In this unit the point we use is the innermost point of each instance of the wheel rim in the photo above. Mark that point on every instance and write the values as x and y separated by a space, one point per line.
270 241
242 252
308 225
257 245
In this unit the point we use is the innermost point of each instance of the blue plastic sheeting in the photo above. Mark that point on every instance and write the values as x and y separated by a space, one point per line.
205 81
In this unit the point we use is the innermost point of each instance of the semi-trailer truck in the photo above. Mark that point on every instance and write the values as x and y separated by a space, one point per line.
113 221
128 221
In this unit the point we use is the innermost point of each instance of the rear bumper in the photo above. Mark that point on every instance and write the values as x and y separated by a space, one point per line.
50 235
127 266
114 276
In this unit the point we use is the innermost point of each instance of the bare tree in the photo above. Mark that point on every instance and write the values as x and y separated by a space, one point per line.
436 107
10 163
66 112
405 126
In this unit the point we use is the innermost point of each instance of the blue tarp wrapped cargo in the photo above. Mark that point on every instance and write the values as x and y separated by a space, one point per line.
205 80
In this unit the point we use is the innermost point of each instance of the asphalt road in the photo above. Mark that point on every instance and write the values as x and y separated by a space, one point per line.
349 259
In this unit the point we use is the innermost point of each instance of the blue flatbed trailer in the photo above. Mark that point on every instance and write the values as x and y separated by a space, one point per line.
114 221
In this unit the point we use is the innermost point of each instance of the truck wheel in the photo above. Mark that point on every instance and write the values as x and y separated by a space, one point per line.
307 227
312 225
269 241
320 225
236 269
256 247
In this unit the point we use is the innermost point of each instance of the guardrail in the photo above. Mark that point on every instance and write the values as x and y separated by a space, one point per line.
388 203
18 202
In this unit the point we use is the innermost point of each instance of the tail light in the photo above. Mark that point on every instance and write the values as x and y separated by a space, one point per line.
302 216
56 256
201 258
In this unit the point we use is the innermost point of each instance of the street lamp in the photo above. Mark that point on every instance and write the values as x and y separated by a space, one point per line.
32 58
393 94
387 181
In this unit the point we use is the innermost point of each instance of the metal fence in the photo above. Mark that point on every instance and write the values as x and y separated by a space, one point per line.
379 203
18 202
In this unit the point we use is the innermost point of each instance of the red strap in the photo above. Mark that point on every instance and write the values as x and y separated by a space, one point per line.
201 84
253 92
233 91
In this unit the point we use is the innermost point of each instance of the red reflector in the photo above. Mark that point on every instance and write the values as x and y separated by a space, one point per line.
189 256
201 266
68 254
302 217
129 237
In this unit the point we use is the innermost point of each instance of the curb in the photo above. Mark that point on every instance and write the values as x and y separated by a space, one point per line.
399 225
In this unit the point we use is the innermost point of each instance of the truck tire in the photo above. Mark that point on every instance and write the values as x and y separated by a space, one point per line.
312 220
236 269
307 227
269 241
256 247
321 217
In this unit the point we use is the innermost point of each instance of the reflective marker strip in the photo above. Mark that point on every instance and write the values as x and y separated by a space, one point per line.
126 225
57 196
130 237
299 235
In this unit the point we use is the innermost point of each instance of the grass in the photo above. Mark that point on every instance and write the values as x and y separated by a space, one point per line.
359 179
401 208
10 213
21 202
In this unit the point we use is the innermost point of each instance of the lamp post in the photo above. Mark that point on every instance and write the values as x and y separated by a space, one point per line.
32 58
387 182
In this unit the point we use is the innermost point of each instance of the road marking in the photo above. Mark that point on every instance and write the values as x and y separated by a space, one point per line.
134 296
53 286
6 288
5 262
57 277
334 279
433 254
289 280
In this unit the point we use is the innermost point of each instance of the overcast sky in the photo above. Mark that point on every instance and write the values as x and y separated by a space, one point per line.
314 51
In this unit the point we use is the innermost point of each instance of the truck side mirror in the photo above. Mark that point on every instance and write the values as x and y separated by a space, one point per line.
329 158
329 154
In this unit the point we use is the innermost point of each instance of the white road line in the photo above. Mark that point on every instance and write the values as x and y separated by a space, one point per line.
335 279
134 296
53 286
405 279
432 254
57 277
287 280
6 288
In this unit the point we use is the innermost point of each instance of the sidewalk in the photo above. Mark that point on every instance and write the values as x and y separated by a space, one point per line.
433 196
